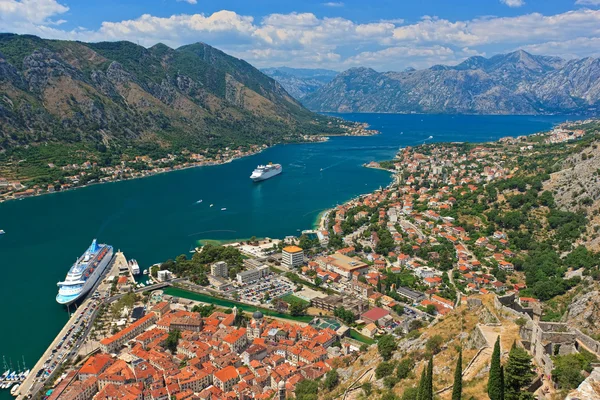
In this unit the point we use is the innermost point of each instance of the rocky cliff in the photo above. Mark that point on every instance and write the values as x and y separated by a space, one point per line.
515 83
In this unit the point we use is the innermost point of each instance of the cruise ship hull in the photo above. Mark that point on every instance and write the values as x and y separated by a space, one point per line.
70 299
266 175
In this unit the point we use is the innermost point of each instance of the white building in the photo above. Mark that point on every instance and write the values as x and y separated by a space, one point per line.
219 269
164 275
293 256
252 275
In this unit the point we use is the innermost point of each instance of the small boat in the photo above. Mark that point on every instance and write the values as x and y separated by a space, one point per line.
2 232
223 209
321 169
211 205
199 201
145 272
14 389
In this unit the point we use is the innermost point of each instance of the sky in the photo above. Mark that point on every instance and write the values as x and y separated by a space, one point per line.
387 35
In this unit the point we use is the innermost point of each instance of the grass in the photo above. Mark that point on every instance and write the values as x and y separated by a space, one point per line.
288 298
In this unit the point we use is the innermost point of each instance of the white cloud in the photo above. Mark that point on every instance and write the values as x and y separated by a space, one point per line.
333 4
30 11
189 1
588 2
306 40
513 3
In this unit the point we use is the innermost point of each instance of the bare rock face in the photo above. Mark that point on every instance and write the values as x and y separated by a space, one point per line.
584 312
515 83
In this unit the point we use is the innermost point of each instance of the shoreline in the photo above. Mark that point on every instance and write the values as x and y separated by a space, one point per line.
179 167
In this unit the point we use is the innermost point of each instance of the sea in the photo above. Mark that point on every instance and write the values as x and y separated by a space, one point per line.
159 217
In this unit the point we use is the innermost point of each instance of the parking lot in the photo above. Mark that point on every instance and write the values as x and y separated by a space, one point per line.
272 287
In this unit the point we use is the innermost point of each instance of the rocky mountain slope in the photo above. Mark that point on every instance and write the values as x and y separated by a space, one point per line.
514 83
300 81
121 94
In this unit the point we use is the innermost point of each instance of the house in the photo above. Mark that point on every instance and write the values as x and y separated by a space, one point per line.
374 315
369 330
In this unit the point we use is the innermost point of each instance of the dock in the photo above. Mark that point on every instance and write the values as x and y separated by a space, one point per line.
60 350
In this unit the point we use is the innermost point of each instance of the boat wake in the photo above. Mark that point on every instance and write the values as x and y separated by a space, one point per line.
212 231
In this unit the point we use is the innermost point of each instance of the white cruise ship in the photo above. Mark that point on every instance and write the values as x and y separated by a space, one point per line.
134 267
84 273
263 172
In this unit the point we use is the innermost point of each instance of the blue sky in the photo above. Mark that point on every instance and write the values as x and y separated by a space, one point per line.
382 34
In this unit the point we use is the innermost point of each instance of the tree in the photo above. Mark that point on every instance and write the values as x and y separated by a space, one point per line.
567 368
173 340
404 368
384 369
495 387
457 387
429 386
410 393
296 307
331 379
518 373
434 344
422 384
386 345
307 389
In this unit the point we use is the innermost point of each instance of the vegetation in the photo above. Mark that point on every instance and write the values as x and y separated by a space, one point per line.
307 389
457 386
332 379
386 345
495 386
518 374
567 372
173 340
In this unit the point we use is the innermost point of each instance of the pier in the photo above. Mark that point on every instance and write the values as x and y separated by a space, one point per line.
66 344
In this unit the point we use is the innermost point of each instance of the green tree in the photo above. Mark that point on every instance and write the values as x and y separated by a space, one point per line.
173 340
384 369
518 373
434 344
495 388
331 379
404 368
422 384
429 386
307 389
296 307
410 393
386 345
567 369
457 387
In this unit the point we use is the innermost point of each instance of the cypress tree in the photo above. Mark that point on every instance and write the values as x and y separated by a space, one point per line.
495 384
457 387
502 382
429 386
422 384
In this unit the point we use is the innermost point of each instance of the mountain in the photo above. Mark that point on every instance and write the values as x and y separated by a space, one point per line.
300 81
514 83
122 95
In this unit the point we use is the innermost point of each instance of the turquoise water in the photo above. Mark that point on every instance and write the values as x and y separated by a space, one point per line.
156 218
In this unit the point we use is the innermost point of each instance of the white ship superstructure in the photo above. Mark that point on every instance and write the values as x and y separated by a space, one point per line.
84 273
134 267
263 172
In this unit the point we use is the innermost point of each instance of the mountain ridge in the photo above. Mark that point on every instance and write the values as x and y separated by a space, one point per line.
119 94
513 83
299 82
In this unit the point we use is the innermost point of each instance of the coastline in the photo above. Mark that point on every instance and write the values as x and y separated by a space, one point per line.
319 138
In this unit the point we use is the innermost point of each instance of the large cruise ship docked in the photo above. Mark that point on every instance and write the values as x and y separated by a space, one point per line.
84 273
263 172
